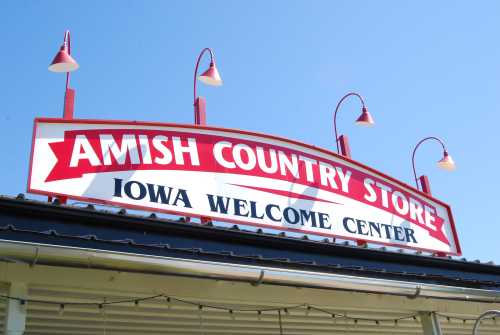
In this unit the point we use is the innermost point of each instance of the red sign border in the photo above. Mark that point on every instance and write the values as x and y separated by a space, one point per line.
232 131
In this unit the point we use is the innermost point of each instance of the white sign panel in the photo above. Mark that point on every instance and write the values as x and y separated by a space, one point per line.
235 176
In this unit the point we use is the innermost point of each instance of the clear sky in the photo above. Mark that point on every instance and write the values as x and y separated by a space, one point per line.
424 68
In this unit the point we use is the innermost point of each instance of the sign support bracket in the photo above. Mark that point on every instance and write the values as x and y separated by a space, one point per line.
430 323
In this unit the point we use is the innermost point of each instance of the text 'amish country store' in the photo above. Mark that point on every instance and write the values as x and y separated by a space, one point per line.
234 176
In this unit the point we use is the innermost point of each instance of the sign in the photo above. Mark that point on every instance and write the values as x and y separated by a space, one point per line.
234 176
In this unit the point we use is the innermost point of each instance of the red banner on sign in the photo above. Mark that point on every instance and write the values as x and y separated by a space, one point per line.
110 150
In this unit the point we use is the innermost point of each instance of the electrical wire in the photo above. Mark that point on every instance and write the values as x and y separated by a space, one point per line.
335 315
101 306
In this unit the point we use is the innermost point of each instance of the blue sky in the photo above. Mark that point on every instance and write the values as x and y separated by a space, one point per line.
424 68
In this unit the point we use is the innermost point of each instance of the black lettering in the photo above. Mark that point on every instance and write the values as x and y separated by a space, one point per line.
409 235
159 193
308 215
361 224
253 211
130 194
240 204
182 196
387 229
376 227
286 215
270 214
118 187
398 233
219 205
346 227
323 218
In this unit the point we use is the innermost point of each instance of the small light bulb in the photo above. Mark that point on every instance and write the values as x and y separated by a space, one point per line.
259 315
136 305
61 309
169 304
200 316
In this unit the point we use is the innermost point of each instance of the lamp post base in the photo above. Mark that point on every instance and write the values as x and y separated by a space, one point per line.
69 104
200 107
345 150
425 186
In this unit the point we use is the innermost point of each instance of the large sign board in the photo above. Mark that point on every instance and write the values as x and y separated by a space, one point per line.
235 176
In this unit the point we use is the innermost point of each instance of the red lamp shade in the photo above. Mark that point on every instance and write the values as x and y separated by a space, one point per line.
211 76
365 119
63 62
446 163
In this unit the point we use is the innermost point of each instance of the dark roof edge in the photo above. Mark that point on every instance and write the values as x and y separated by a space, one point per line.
97 217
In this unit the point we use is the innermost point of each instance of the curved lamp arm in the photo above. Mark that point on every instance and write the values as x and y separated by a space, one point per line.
67 40
415 150
67 43
492 313
337 109
212 61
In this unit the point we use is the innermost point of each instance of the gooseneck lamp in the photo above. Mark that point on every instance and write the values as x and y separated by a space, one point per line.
365 119
63 62
445 163
210 77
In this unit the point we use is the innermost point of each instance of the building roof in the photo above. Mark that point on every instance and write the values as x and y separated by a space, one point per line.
70 225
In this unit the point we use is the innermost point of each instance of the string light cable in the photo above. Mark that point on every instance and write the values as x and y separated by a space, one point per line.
101 306
62 307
